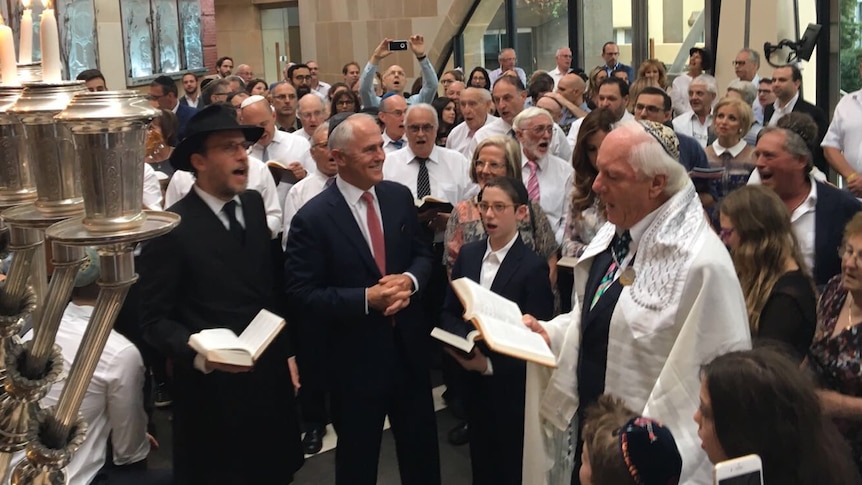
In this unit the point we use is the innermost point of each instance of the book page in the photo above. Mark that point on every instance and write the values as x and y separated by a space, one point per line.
213 339
457 341
479 301
516 341
260 332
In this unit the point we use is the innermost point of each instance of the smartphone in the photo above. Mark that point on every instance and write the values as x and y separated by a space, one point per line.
398 45
746 470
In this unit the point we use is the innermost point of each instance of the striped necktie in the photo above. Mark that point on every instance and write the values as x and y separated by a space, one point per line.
533 182
619 251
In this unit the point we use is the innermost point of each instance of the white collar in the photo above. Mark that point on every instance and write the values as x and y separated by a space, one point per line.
214 203
734 150
542 161
500 253
638 229
352 194
432 157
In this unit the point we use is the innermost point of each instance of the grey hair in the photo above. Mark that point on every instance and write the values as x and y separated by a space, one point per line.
529 113
746 89
423 107
484 94
794 144
342 136
754 55
707 80
648 158
238 79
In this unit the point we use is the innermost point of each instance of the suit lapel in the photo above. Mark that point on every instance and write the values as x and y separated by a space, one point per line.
343 218
509 266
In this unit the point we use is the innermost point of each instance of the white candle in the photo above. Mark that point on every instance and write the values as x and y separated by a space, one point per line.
50 39
25 44
8 64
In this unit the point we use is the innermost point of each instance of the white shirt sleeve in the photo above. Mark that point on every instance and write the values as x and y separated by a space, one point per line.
180 184
270 199
125 407
152 189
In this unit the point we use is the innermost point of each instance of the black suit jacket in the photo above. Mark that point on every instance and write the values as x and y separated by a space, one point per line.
196 277
833 211
819 117
521 278
328 266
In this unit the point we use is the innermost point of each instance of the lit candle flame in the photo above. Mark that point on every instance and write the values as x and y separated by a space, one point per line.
46 4
1 20
26 3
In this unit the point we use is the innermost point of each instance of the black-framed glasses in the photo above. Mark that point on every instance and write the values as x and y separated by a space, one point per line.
427 128
649 108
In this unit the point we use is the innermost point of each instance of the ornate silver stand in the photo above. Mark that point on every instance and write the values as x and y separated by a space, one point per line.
109 136
48 147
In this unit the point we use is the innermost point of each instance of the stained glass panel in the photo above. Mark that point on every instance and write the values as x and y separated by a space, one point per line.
166 28
190 28
79 48
138 37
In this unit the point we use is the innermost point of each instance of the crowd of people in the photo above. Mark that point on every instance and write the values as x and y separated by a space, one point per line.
677 246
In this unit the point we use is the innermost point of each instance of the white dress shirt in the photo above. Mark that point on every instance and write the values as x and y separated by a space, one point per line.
152 189
305 190
689 124
460 138
192 102
286 148
492 260
557 74
113 402
555 186
779 111
679 93
448 172
845 131
802 219
322 88
353 196
497 126
389 146
259 179
303 134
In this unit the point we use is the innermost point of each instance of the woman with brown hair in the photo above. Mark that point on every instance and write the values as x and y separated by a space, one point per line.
585 214
343 101
597 75
758 402
779 292
834 355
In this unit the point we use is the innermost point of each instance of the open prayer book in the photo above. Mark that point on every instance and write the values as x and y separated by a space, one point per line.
280 172
430 203
221 345
499 323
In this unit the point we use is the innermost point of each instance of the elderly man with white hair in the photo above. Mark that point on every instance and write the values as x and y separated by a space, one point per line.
475 105
701 96
548 178
313 111
656 295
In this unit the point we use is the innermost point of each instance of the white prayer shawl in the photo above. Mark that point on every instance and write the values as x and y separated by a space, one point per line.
684 308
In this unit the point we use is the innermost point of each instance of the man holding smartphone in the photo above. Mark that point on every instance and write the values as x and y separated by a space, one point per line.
394 77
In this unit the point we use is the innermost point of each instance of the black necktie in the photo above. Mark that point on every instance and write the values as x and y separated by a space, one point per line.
236 229
423 183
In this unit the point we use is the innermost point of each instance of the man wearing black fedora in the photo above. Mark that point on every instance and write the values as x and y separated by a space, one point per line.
232 425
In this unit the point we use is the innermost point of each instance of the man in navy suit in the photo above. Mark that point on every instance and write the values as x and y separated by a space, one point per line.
163 95
611 56
355 259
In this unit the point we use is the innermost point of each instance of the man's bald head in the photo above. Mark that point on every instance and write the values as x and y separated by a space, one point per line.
572 87
258 112
312 111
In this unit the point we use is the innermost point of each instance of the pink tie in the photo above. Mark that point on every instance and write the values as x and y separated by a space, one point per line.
375 231
533 181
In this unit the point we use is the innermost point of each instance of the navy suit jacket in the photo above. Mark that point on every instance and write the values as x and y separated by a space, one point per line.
521 278
184 114
833 211
819 117
328 266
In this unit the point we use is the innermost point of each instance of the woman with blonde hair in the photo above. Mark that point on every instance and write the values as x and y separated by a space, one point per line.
498 156
597 75
732 119
653 69
779 292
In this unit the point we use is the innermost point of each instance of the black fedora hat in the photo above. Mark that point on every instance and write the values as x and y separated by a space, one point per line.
213 118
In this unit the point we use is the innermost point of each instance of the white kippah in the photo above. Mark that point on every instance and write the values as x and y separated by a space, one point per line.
251 100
